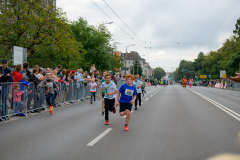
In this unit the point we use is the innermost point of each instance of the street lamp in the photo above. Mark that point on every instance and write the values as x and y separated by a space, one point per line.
129 46
107 23
126 53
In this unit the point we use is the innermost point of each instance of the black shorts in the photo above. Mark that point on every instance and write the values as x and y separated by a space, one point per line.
103 95
109 104
124 106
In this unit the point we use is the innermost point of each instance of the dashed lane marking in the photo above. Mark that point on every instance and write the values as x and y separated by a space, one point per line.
99 137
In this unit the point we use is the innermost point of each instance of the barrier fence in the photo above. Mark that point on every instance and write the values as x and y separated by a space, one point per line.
19 99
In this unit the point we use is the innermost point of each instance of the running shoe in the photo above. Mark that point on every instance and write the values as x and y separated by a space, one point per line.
107 122
91 102
114 111
126 127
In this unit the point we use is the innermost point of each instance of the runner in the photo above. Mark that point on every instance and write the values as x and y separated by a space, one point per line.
184 82
155 82
143 87
109 97
164 82
161 82
49 86
93 89
190 82
138 84
128 94
102 92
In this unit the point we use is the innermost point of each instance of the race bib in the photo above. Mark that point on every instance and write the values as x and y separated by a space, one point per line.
129 92
51 84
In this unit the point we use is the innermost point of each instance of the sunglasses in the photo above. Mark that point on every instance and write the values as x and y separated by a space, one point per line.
4 63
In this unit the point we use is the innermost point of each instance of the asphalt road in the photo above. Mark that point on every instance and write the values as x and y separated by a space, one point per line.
174 123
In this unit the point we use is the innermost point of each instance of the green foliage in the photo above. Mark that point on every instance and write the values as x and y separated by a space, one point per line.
44 31
237 28
159 73
225 58
96 42
137 68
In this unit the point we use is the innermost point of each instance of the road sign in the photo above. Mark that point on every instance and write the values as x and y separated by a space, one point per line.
224 75
203 76
209 76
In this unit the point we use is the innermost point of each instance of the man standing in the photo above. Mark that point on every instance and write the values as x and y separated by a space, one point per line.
128 94
5 76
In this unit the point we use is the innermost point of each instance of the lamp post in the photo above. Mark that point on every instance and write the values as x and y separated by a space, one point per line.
126 52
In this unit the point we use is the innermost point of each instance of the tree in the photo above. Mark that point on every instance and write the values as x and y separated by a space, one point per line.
159 73
96 42
43 30
137 68
237 28
117 61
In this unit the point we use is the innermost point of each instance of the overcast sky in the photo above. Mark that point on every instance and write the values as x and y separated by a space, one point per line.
174 29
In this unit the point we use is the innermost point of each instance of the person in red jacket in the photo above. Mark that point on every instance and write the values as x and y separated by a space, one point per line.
17 77
184 82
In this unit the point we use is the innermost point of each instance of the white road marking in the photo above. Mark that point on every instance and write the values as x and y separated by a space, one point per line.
151 95
99 137
146 99
220 106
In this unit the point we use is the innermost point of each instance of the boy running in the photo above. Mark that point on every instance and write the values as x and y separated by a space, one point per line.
93 89
143 87
138 84
109 97
128 94
102 91
49 86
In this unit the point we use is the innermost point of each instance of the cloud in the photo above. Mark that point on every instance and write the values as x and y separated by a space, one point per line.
178 28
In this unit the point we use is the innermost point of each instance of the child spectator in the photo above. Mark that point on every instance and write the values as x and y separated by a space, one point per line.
17 103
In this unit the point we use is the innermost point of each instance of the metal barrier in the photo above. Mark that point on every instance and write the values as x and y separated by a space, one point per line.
19 99
230 85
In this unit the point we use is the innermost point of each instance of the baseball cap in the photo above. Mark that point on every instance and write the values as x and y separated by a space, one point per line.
4 61
25 78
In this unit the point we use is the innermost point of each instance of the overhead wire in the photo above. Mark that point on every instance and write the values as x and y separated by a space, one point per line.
123 22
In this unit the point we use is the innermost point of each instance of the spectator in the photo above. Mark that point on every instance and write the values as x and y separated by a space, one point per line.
5 76
73 75
25 70
80 79
60 75
40 74
17 103
33 89
92 68
17 76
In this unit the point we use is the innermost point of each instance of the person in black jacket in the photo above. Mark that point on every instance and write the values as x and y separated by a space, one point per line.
5 76
34 94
